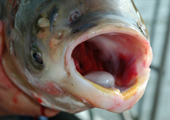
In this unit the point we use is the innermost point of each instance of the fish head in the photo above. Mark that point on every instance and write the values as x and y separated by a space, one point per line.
74 55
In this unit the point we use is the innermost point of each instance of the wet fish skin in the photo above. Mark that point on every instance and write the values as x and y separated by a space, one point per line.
50 27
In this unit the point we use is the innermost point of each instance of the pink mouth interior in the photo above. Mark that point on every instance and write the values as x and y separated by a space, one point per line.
117 54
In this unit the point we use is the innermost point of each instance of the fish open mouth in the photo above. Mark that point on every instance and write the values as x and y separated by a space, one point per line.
112 60
115 60
109 60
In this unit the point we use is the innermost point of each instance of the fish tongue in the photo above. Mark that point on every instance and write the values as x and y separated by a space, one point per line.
102 78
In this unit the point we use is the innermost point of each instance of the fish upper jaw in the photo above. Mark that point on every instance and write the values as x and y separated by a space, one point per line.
127 76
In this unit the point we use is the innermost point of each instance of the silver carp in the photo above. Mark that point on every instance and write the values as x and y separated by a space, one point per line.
73 55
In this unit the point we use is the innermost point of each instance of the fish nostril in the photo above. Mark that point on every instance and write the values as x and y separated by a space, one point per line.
74 16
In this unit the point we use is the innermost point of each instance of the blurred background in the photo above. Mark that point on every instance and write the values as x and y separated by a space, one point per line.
155 104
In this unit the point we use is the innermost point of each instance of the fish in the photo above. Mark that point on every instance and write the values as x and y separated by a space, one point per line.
74 55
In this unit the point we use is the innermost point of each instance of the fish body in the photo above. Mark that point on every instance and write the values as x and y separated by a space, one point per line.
73 55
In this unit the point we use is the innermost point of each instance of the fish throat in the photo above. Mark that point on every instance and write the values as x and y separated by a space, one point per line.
109 59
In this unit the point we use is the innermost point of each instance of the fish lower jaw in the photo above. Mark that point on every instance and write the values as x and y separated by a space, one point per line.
109 69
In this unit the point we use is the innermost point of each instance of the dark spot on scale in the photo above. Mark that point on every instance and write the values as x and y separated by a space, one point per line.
51 17
14 52
8 32
42 5
15 6
90 25
1 11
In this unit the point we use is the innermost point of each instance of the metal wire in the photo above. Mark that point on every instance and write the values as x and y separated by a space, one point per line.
160 74
127 115
91 115
154 20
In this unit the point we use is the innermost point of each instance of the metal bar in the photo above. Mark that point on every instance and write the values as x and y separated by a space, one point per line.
141 102
91 115
158 86
152 34
154 21
126 115
154 68
140 107
121 116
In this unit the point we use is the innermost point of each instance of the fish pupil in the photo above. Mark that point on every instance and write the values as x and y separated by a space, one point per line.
37 58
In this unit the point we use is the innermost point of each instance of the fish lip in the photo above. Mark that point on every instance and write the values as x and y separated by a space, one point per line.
124 100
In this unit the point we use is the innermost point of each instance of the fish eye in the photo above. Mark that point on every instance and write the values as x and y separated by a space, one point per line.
36 58
74 16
